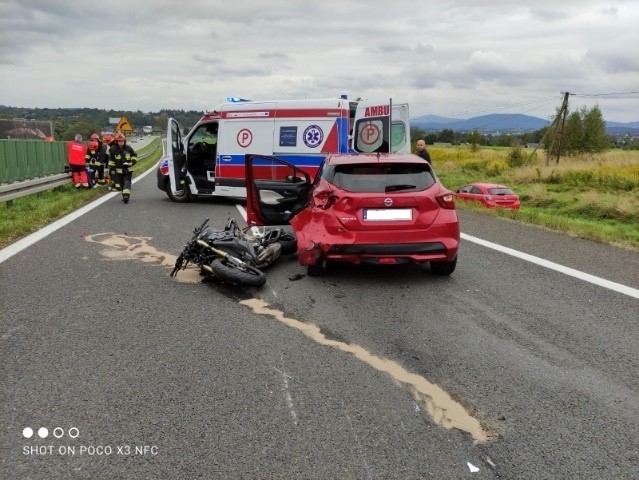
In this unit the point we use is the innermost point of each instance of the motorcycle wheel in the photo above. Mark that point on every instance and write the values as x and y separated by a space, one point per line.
251 276
289 243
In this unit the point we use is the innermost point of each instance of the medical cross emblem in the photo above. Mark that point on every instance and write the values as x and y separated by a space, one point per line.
313 136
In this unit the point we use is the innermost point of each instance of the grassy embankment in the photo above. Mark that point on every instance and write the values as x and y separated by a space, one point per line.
29 213
590 197
593 197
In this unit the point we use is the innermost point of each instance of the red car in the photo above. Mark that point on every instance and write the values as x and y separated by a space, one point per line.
364 208
490 194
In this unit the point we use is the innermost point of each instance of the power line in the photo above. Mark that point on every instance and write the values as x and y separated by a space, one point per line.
504 107
627 94
514 115
520 104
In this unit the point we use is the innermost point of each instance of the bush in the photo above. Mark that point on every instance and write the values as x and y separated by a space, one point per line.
516 157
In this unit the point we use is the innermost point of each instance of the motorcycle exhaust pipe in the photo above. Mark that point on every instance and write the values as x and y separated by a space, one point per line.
221 253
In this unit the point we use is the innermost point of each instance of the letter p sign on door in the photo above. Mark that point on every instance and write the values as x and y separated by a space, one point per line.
244 138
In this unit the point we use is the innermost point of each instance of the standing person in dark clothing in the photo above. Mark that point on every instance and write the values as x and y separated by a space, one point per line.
96 158
121 158
420 147
107 140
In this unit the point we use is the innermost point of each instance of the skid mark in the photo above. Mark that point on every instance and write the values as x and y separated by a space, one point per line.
360 448
287 391
441 407
125 247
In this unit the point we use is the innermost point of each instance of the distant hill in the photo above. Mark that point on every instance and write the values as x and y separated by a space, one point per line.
507 123
485 123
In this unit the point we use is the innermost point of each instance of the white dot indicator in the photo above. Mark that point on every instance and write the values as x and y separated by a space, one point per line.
27 432
43 432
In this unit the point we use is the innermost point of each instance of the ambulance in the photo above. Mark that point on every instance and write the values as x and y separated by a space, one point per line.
209 160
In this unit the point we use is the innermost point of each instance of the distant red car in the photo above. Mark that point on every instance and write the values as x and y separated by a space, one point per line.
490 194
363 208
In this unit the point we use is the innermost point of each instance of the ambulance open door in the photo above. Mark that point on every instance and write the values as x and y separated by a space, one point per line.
381 127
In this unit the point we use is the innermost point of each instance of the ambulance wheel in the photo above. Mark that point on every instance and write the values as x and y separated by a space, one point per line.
181 196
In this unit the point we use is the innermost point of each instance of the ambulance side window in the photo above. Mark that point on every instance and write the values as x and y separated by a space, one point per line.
176 138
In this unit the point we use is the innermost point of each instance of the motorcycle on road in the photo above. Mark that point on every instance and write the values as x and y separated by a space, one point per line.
235 255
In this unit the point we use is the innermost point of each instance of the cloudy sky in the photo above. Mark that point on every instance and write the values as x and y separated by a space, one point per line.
456 58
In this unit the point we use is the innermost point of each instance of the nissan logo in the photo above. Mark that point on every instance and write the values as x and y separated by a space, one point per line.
388 202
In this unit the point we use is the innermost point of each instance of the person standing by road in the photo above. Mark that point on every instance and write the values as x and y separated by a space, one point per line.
121 158
421 151
107 140
95 159
76 151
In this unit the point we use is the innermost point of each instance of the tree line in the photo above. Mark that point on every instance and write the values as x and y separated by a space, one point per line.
67 122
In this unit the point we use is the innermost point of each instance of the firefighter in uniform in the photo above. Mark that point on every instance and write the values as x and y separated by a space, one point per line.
107 140
95 158
121 158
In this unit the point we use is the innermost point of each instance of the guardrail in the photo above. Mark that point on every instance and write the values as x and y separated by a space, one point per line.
11 191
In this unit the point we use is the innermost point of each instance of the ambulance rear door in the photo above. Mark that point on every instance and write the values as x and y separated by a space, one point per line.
244 128
381 126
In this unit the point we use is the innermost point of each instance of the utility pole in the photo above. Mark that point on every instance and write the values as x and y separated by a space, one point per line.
560 121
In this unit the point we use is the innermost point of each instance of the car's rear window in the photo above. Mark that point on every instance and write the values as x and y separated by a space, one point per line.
500 191
396 177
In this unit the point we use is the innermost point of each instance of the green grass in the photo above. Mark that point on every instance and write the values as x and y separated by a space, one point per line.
596 198
32 212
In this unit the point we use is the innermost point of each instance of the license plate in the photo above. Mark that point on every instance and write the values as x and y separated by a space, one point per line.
387 214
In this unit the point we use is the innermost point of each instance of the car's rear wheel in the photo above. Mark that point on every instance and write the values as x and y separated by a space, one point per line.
443 268
317 270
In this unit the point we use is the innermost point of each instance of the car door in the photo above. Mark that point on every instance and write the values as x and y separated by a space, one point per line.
275 190
175 154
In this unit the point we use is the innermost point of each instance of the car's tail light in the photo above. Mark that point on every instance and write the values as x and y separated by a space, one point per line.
446 200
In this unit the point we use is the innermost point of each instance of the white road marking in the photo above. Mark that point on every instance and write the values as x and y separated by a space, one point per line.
602 282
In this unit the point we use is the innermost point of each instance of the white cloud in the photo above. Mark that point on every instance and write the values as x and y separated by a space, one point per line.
442 57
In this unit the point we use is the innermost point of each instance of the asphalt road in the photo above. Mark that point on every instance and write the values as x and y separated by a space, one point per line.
507 367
